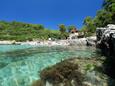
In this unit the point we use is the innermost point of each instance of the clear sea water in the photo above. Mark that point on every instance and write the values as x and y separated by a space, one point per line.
20 65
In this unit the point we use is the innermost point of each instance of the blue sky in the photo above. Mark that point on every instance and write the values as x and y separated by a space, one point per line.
50 13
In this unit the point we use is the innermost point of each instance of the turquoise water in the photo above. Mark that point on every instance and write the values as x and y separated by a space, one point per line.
20 65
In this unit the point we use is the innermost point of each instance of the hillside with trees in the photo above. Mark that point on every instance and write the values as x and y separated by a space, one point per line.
20 31
23 31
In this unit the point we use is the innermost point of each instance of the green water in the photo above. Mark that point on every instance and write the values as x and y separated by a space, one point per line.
20 65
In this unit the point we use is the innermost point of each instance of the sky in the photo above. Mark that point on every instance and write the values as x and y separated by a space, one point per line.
50 13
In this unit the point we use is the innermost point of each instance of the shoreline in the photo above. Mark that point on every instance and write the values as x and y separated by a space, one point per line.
89 41
37 43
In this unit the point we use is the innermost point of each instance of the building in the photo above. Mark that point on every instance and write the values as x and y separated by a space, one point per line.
74 33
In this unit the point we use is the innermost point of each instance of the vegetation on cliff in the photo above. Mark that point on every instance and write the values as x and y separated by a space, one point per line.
103 17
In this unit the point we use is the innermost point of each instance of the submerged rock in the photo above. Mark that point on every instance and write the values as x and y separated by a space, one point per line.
64 73
74 72
3 64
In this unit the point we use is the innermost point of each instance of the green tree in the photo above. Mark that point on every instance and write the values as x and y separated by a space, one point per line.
87 20
103 18
89 23
63 33
62 28
109 6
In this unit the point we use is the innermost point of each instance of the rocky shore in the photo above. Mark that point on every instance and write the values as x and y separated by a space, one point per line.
37 43
106 42
89 41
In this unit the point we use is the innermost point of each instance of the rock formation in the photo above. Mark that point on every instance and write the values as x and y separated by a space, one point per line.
106 42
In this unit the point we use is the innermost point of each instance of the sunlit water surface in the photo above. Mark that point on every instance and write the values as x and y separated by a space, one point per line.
20 65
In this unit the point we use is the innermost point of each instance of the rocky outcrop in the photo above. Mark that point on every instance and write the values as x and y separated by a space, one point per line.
106 42
89 41
78 42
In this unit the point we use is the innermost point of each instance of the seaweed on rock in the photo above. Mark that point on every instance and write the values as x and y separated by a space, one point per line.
65 73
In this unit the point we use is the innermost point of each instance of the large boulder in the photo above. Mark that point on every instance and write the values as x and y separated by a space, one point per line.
106 42
106 39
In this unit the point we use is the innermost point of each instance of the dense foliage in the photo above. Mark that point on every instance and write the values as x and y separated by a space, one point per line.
103 17
23 31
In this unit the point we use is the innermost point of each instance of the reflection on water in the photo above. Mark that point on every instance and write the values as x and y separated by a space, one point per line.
20 66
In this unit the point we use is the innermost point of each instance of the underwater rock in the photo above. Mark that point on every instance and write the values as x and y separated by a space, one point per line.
87 84
64 73
73 72
3 64
37 83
